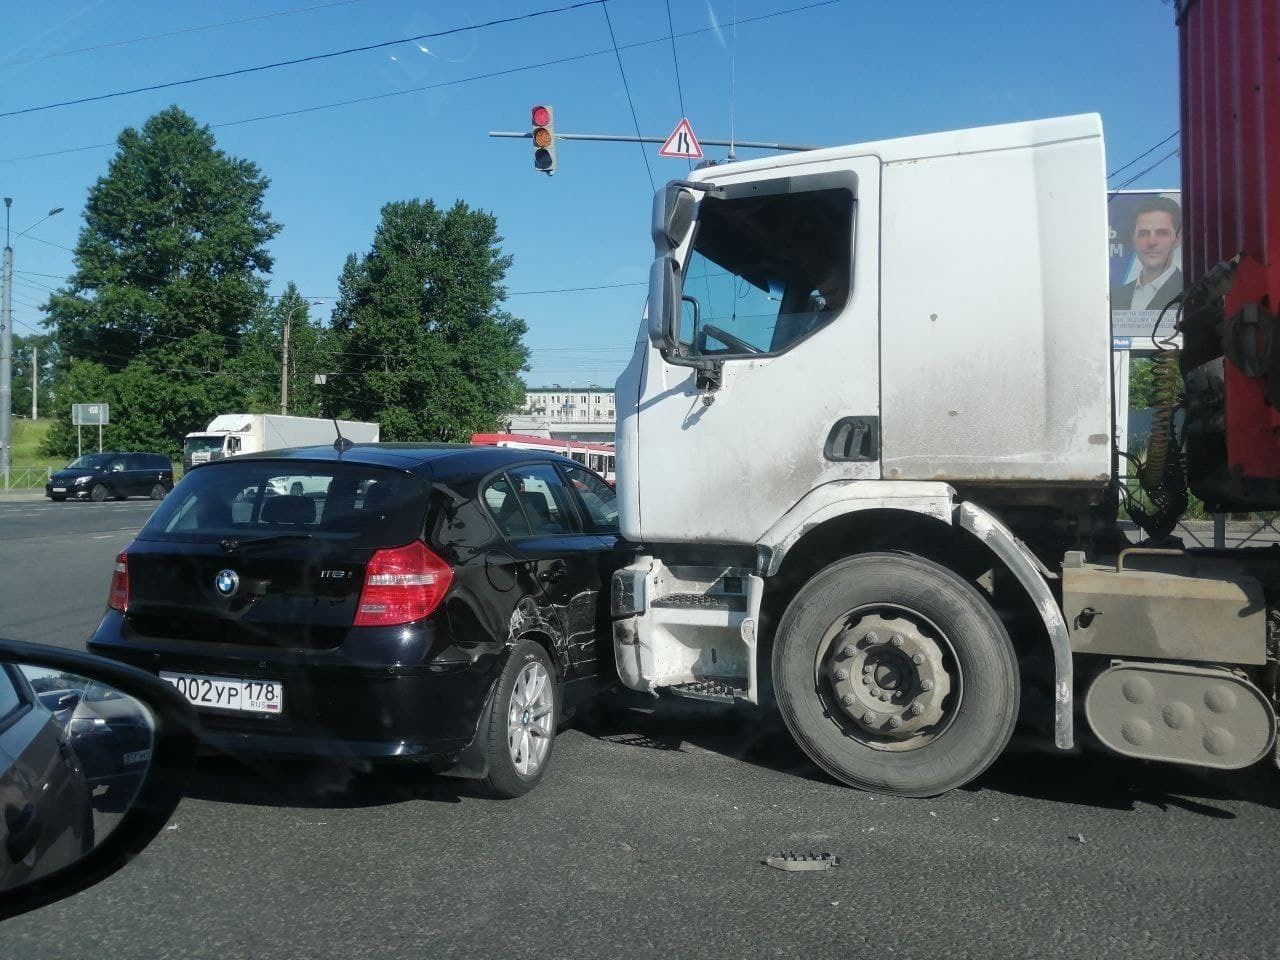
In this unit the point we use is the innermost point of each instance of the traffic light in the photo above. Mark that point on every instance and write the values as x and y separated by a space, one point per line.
544 139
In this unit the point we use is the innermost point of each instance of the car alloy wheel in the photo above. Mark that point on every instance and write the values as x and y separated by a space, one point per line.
530 714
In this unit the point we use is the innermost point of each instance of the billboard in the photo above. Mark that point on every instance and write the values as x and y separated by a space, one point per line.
1145 256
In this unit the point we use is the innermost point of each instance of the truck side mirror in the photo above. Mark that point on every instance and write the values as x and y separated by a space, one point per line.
673 210
664 302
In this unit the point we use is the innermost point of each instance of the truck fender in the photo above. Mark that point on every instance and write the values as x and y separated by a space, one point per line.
840 497
936 500
1032 574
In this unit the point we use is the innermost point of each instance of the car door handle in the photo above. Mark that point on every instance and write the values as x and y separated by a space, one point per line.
553 572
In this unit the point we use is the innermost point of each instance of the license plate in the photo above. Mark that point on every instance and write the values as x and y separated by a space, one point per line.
229 693
59 489
138 756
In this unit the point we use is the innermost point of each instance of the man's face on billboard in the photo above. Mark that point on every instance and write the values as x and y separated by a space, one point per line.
1154 238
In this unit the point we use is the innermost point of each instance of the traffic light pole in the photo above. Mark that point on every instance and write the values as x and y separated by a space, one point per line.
623 138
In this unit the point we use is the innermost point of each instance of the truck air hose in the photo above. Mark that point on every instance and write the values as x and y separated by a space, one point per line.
1162 473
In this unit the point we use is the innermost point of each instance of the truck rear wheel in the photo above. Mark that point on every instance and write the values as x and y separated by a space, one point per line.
894 675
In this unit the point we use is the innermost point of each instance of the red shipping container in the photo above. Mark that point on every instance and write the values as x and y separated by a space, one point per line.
1230 86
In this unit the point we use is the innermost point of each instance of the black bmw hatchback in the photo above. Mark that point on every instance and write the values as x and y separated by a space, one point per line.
399 602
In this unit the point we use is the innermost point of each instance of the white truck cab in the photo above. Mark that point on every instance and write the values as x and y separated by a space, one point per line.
864 375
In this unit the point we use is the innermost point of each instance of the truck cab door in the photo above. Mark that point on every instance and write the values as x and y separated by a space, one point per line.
768 382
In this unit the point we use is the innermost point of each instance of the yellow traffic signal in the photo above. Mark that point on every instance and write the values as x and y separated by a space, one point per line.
544 139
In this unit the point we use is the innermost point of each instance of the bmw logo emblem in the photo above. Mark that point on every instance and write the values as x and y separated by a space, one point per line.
227 582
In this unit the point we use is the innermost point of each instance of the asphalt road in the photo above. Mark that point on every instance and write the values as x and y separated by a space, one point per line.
646 839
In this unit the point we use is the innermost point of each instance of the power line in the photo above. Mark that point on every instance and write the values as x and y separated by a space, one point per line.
1143 155
35 273
1142 173
174 33
50 243
434 86
625 86
602 286
675 60
307 59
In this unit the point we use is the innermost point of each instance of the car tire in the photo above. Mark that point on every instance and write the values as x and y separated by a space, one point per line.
99 493
158 491
926 610
518 736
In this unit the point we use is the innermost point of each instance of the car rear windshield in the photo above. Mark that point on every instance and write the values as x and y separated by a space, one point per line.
349 502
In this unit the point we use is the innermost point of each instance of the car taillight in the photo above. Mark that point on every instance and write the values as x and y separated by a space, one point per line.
401 585
118 598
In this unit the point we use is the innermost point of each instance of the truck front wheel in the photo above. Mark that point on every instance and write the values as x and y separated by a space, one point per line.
894 675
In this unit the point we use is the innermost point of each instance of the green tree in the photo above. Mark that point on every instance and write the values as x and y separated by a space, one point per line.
168 273
423 344
262 351
47 357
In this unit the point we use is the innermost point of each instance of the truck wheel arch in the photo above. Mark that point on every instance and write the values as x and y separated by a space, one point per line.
913 516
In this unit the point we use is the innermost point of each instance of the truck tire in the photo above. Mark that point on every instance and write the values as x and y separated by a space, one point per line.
894 675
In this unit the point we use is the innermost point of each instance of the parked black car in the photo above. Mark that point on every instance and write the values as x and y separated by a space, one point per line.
108 476
61 703
44 798
438 604
112 735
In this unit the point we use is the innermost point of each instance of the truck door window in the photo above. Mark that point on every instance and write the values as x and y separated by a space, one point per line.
766 271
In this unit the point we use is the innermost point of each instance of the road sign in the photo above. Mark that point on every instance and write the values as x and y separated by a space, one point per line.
90 414
682 144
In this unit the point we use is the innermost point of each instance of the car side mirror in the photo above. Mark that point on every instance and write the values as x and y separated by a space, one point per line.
81 796
664 299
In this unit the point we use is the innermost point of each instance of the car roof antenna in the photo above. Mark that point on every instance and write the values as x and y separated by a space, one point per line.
342 444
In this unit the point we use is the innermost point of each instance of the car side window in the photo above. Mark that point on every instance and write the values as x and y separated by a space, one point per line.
545 501
135 461
10 699
597 497
504 505
116 465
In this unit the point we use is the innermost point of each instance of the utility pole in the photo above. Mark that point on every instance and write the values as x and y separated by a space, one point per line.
284 366
35 381
6 353
6 344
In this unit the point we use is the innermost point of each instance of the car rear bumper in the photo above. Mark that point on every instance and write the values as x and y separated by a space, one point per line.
332 707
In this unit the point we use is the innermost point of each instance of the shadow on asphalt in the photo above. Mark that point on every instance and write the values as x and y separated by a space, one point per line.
743 732
1098 779
1092 778
318 784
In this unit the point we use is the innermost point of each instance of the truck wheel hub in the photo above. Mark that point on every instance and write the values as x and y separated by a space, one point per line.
888 677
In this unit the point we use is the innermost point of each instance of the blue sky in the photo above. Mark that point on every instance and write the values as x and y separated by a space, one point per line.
851 71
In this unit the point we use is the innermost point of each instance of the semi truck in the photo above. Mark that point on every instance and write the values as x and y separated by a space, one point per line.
229 434
866 443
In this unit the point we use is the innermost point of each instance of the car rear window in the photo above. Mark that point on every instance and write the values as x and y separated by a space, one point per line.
352 502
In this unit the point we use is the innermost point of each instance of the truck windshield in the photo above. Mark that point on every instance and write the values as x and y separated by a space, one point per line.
204 444
765 271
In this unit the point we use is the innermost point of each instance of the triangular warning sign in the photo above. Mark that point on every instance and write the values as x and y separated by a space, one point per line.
682 144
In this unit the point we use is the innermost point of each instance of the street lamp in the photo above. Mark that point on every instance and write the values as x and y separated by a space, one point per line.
6 341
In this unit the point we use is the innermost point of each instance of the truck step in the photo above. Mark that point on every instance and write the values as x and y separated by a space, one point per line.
701 601
720 691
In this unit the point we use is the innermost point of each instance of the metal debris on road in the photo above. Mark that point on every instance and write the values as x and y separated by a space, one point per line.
802 861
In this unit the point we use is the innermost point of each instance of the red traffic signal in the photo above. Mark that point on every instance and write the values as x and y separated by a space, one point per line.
544 139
